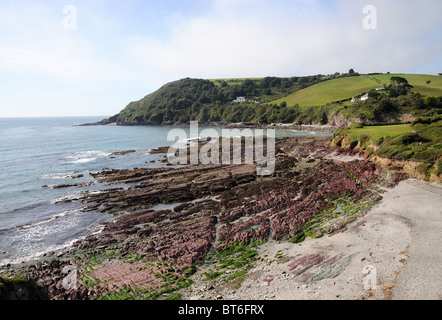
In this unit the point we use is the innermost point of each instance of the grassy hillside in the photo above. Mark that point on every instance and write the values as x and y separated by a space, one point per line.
378 132
418 81
329 91
345 88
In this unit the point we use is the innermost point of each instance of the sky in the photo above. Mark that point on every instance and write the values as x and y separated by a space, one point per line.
93 57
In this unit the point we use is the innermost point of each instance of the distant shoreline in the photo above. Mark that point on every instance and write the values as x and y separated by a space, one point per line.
276 126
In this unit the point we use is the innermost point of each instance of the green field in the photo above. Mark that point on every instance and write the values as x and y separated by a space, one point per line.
329 91
418 81
345 88
376 132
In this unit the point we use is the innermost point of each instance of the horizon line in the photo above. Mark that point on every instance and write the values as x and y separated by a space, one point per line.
41 117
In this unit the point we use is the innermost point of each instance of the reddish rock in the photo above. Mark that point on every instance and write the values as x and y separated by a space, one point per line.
247 207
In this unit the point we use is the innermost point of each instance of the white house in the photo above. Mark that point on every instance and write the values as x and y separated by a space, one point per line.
380 88
240 100
363 98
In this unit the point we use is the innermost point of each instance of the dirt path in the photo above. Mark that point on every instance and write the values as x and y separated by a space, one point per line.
421 203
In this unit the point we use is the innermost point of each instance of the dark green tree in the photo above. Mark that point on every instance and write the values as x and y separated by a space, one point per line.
398 86
204 114
373 94
431 102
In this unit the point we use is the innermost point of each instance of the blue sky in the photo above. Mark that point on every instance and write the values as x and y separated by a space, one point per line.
121 51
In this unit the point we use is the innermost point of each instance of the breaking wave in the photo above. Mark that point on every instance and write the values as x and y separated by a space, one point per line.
86 156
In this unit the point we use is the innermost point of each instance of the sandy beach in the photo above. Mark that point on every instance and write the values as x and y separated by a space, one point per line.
392 252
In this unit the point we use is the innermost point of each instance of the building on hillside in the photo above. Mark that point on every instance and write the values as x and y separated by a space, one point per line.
357 99
240 100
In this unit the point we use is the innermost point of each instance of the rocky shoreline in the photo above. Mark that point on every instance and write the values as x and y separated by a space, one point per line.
227 125
178 228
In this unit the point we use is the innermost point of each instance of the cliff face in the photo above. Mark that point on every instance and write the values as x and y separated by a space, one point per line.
338 119
412 169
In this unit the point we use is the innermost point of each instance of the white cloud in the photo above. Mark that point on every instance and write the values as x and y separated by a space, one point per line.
220 45
34 41
257 38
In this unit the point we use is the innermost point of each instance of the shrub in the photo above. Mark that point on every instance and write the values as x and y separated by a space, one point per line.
212 275
409 138
379 141
427 120
424 170
357 125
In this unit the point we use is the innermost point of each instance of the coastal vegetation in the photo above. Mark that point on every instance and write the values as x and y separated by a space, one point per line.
209 100
419 142
319 99
332 220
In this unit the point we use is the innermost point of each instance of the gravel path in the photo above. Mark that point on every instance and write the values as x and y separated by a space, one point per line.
421 278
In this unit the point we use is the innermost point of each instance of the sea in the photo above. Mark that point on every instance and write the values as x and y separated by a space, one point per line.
37 154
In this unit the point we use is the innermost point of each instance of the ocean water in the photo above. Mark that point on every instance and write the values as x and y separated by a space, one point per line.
38 153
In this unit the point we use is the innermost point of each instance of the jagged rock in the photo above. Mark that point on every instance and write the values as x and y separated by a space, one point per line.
122 153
